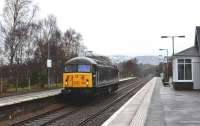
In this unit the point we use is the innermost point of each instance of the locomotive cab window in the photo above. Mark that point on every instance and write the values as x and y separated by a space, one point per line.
84 68
71 68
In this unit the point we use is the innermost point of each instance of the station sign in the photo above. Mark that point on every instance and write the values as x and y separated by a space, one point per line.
49 63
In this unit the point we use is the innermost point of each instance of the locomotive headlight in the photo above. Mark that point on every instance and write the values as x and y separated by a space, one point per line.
87 82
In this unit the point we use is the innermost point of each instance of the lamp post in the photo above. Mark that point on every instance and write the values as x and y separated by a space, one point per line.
180 36
167 61
49 66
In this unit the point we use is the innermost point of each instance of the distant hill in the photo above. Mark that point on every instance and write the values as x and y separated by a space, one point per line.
119 58
153 60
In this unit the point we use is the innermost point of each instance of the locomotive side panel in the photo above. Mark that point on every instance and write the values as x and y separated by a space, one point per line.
107 76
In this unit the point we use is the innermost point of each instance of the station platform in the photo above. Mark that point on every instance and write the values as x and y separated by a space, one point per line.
128 78
10 100
158 105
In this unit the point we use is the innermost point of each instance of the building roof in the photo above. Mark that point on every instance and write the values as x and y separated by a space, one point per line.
192 51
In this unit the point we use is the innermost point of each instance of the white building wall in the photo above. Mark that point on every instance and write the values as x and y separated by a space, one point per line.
195 71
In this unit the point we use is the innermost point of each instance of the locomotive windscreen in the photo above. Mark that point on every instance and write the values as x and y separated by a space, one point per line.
77 68
83 68
71 68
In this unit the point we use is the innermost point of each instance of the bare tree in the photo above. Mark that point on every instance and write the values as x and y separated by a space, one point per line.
72 43
24 42
16 20
129 68
49 47
15 26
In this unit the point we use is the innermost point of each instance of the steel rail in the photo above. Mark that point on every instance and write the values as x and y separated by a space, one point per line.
84 122
24 122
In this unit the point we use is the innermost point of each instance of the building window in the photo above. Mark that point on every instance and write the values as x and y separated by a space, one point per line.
184 69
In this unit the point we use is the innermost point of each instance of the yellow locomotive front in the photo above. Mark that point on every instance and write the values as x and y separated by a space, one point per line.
77 80
78 76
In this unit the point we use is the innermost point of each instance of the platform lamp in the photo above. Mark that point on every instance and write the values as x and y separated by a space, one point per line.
180 36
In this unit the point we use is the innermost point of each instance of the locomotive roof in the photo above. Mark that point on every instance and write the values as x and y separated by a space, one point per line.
81 60
86 60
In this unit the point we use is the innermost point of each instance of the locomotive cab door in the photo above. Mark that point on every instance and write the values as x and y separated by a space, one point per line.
94 75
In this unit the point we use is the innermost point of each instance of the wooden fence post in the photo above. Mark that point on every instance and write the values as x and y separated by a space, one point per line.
29 83
17 85
1 85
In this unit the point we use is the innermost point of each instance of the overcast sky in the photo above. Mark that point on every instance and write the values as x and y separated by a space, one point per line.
126 27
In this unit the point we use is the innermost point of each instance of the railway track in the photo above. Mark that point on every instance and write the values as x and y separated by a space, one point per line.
51 117
100 112
92 115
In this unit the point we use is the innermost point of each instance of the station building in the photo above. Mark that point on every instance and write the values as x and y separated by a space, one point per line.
186 66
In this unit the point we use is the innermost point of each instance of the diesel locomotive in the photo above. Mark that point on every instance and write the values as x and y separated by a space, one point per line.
84 75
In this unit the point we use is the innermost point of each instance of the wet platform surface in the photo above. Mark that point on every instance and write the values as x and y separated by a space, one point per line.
176 108
157 105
